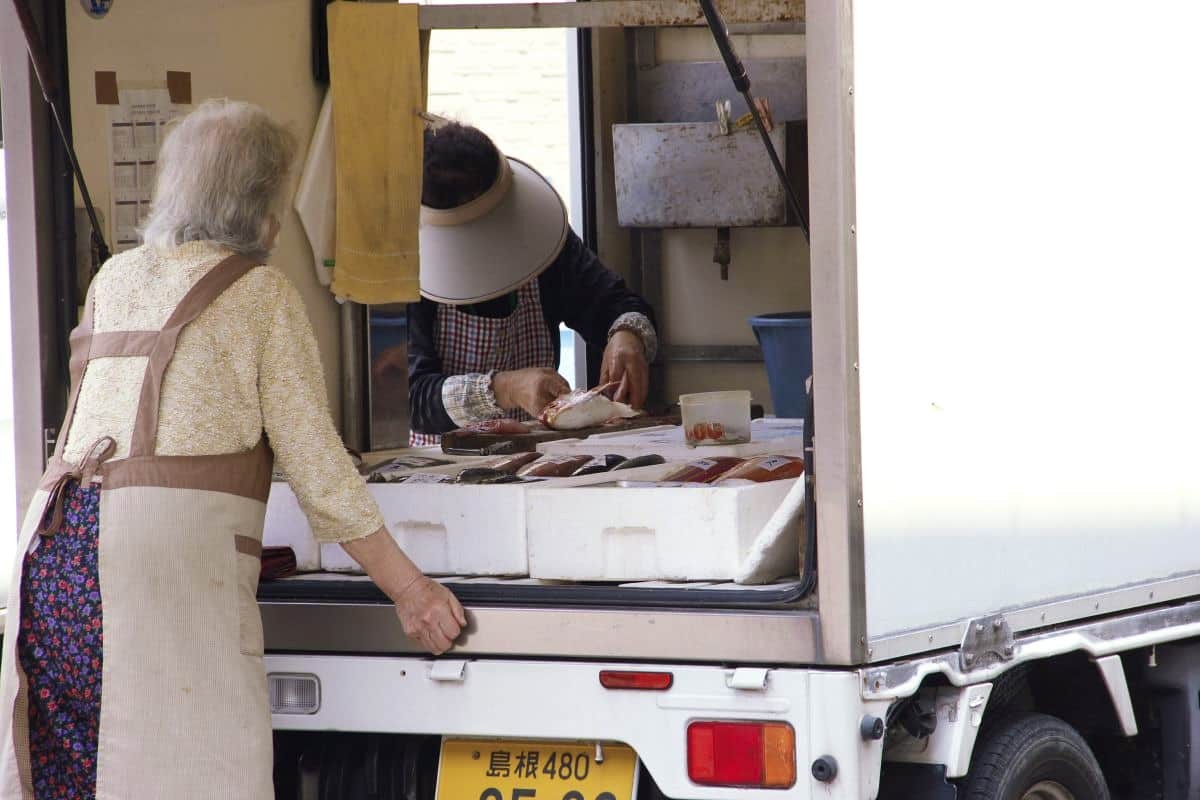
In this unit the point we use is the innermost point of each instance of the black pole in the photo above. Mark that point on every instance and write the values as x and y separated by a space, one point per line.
50 90
741 82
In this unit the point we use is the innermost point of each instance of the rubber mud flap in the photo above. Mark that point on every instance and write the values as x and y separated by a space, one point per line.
909 781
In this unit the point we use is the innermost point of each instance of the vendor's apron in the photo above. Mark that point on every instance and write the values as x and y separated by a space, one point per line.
184 696
470 344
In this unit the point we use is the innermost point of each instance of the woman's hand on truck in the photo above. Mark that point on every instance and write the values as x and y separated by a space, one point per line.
429 613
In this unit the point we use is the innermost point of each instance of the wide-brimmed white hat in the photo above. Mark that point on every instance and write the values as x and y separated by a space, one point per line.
494 244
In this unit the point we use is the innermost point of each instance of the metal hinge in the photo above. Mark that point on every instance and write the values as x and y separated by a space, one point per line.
49 440
988 641
748 679
448 671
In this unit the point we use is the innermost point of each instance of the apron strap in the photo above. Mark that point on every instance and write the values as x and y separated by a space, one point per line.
52 516
198 298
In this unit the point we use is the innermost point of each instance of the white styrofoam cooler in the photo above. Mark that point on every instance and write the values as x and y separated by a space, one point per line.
769 436
604 533
286 526
560 529
449 529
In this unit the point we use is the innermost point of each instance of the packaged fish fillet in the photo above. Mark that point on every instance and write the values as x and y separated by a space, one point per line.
762 469
485 475
553 466
650 460
599 465
420 477
704 470
388 471
514 463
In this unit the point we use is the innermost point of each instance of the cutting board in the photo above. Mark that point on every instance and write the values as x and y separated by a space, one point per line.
458 441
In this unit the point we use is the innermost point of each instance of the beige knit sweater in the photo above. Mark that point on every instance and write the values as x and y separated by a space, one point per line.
247 364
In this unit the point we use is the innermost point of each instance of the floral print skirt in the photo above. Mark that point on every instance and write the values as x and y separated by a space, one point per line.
61 649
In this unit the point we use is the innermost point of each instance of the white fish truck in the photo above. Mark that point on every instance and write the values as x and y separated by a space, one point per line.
1002 600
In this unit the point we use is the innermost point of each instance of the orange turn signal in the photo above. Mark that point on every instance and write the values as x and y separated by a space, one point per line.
743 754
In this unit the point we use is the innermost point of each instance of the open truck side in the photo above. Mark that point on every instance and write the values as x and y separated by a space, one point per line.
1001 273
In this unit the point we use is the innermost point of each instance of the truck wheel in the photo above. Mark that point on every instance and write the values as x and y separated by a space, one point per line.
1034 757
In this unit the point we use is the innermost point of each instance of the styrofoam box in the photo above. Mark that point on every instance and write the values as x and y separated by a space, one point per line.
286 526
449 529
603 533
768 436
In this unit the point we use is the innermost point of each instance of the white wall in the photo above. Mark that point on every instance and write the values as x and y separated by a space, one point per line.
769 269
255 50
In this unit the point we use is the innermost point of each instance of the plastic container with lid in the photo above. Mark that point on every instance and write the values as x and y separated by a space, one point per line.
716 418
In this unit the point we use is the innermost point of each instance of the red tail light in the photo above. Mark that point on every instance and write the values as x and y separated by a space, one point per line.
644 681
746 754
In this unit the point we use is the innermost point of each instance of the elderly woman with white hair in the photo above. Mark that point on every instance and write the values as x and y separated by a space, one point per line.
135 670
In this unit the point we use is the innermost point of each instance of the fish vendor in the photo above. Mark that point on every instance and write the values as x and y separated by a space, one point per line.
500 270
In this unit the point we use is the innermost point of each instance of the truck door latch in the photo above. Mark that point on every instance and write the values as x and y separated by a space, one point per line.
988 641
448 671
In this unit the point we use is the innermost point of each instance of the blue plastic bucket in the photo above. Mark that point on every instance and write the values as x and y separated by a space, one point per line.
786 341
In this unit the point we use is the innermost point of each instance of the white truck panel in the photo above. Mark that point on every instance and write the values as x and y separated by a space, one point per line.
531 700
1028 268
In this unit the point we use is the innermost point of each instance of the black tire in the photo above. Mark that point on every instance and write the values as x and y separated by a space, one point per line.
1033 757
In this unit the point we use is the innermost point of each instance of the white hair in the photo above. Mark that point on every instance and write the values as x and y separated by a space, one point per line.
222 172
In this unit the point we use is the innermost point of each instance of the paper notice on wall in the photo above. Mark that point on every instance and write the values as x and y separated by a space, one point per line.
136 129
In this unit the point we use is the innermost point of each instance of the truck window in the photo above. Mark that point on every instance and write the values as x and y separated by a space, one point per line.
471 78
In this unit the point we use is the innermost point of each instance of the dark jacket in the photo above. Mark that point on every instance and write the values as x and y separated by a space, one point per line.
577 290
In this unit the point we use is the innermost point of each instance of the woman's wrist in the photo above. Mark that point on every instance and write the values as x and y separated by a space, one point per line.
391 570
638 325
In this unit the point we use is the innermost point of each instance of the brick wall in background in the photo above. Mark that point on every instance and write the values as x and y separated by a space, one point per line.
513 86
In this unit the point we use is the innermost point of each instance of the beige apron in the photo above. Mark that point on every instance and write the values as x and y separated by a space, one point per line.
183 695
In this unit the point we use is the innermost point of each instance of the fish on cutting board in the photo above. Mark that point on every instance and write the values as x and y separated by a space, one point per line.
586 408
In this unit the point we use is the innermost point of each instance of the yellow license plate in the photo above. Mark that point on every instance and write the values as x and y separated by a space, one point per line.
503 770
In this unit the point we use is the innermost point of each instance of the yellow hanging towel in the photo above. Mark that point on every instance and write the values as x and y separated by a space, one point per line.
378 96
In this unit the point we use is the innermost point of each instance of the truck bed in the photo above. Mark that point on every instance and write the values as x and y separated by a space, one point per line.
519 617
343 588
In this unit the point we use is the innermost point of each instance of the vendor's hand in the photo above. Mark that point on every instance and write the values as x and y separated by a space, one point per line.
430 614
530 390
625 362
